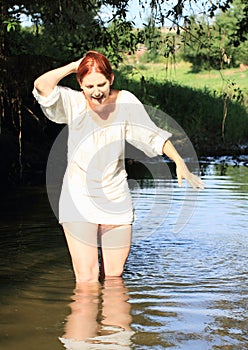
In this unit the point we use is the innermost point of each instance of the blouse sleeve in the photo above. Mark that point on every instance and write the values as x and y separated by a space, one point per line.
59 106
141 131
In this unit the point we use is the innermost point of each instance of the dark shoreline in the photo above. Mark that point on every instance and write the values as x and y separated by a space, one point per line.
35 175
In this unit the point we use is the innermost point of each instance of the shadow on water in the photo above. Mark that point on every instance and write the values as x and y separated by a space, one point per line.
183 290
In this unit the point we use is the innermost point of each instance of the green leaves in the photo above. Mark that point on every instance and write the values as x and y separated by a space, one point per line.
11 24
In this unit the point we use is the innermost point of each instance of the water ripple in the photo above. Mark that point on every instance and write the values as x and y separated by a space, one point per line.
180 290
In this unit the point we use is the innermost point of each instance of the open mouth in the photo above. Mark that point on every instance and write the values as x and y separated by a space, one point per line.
98 97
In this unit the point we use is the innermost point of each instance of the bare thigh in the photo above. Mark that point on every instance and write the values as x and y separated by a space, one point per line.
82 238
115 244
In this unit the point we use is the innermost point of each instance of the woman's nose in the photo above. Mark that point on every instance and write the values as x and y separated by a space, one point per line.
96 91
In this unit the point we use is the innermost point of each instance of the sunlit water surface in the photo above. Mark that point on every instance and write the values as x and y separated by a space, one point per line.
185 284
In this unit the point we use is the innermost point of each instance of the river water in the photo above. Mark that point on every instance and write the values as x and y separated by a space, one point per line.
185 284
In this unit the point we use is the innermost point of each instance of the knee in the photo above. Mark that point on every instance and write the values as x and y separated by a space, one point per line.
84 275
87 278
115 272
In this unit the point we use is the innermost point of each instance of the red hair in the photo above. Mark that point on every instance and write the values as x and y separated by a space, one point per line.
94 60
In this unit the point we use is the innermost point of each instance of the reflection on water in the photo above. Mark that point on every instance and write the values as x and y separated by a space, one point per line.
180 290
100 317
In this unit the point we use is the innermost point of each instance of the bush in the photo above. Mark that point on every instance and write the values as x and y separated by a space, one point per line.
199 112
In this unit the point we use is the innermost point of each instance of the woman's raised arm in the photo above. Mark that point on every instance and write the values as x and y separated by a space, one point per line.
47 81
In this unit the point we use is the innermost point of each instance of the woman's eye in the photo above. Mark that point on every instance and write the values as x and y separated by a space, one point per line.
92 86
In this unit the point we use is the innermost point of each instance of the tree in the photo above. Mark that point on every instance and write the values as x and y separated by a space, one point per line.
234 33
63 30
202 45
212 45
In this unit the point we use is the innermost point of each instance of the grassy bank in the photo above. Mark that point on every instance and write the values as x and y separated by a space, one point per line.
198 102
215 80
187 98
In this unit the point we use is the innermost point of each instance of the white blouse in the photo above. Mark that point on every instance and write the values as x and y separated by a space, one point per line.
95 187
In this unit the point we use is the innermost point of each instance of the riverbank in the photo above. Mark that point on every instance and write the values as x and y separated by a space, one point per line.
29 168
215 124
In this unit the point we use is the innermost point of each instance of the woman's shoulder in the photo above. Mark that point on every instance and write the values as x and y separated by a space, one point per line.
122 96
128 97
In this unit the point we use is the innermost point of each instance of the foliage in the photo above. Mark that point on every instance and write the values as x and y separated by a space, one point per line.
202 46
198 111
159 42
120 38
240 35
235 41
11 24
211 45
62 31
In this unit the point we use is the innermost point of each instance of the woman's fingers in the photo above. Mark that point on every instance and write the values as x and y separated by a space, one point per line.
184 173
195 182
77 63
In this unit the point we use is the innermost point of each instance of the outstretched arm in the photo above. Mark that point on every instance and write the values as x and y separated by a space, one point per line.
181 168
47 81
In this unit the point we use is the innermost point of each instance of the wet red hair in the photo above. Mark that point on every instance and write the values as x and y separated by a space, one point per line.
94 60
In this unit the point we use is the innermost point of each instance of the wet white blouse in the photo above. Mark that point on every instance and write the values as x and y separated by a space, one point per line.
95 187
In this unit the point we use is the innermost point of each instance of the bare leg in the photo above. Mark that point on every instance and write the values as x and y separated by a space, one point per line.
83 326
115 241
82 243
116 309
82 322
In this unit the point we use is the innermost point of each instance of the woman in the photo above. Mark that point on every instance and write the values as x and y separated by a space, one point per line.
95 203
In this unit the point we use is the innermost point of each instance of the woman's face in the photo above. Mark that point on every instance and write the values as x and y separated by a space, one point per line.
96 87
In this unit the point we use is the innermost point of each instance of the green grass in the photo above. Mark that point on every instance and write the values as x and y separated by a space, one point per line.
231 81
197 101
